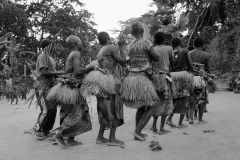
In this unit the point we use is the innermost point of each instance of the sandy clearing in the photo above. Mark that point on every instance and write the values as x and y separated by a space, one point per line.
224 144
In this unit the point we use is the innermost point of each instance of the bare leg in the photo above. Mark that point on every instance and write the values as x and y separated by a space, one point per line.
195 113
145 118
169 121
154 125
112 139
187 116
201 111
180 125
191 110
162 130
139 115
72 142
100 138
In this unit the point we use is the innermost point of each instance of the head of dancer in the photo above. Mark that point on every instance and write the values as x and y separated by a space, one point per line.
159 38
74 43
190 48
45 43
176 43
104 38
198 42
137 30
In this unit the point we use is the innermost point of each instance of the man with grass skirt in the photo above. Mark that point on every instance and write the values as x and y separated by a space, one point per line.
74 114
201 65
45 69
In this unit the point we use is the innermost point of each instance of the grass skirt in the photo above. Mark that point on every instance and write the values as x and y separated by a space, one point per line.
211 85
183 83
138 91
98 83
64 94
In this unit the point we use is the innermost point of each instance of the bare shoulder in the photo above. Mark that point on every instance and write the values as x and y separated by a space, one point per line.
112 48
74 54
169 47
185 50
206 55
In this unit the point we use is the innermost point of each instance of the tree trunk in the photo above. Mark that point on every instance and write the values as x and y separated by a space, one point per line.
195 27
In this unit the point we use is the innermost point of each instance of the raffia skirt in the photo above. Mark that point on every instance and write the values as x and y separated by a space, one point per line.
109 104
138 91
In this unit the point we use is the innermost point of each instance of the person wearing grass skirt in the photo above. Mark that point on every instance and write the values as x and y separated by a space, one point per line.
201 64
74 118
163 82
109 107
137 90
182 64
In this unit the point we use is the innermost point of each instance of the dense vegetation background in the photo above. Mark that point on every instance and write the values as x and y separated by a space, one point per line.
217 21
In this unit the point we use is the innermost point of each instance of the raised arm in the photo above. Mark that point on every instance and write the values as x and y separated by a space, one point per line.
78 70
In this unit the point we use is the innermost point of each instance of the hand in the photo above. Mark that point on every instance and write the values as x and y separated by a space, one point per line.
91 68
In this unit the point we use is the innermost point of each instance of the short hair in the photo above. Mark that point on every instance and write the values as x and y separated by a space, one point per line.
176 42
73 41
45 43
103 37
136 28
190 48
159 38
198 42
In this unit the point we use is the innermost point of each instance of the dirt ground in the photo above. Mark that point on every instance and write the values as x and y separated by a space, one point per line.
224 144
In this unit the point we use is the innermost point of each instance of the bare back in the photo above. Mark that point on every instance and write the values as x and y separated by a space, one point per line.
199 56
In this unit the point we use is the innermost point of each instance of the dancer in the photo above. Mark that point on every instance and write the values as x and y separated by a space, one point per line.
137 91
45 68
183 81
163 82
201 63
74 114
109 103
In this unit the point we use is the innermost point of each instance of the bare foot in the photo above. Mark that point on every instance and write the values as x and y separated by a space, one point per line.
191 121
139 136
144 135
182 126
115 142
73 143
154 129
171 124
101 140
202 122
60 141
162 132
